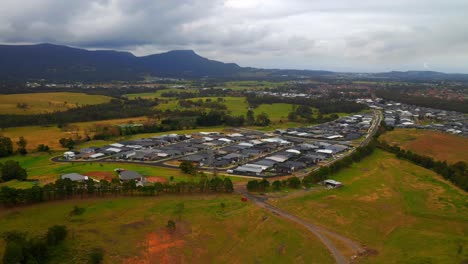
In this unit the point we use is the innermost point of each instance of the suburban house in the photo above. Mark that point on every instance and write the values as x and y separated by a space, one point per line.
76 177
126 176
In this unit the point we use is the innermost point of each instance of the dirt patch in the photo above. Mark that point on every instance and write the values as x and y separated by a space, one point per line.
101 175
162 246
154 179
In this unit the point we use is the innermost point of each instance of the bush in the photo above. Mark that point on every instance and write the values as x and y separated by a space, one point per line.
77 211
56 234
96 255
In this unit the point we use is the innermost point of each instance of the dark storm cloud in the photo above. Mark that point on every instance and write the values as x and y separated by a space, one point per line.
365 35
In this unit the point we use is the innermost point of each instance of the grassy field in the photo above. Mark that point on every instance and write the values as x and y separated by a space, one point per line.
276 112
132 230
440 146
47 102
406 213
50 135
251 85
157 94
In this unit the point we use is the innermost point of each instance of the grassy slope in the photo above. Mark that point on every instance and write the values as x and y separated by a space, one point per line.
405 212
39 102
440 146
132 230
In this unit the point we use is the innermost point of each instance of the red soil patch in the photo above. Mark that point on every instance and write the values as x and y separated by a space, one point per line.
162 246
154 179
101 175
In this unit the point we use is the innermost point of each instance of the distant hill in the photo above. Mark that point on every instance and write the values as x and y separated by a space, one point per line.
62 63
47 61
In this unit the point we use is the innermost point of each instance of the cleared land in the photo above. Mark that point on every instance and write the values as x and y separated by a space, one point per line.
438 145
36 103
404 213
132 230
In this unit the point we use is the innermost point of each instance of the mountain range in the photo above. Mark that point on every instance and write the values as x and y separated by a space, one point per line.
62 63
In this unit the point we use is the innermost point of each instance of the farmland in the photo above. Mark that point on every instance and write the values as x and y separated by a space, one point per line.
403 212
438 145
36 103
50 135
132 230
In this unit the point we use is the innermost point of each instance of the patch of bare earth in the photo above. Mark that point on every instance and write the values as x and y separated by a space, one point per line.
100 175
163 246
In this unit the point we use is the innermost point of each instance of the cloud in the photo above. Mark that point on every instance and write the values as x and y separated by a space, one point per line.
346 35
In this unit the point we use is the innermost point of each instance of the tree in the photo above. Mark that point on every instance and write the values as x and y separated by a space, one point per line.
228 186
56 234
6 146
276 185
252 185
96 255
262 120
294 182
171 226
68 143
13 253
43 148
11 170
250 118
264 184
22 142
187 167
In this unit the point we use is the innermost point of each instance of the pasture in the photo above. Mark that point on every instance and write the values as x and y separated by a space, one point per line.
209 229
438 145
50 135
37 103
404 213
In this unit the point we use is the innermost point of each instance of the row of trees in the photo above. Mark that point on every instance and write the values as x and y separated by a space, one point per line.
457 173
264 184
324 172
324 105
21 248
65 188
399 95
114 109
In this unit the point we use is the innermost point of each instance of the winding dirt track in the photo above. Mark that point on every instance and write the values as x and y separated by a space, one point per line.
318 231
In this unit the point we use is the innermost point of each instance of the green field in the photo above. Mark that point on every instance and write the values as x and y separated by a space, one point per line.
47 102
407 214
157 94
132 230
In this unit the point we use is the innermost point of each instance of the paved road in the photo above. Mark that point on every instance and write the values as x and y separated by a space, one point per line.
320 232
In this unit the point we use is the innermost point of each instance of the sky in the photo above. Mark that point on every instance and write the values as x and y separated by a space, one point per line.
337 35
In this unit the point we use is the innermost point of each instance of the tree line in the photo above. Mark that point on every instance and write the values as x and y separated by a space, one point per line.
112 110
21 248
456 173
324 105
67 189
402 97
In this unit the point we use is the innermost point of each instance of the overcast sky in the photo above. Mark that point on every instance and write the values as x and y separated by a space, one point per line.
339 35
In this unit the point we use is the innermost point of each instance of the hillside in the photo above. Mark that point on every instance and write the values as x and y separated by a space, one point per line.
62 63
402 212
208 229
47 61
